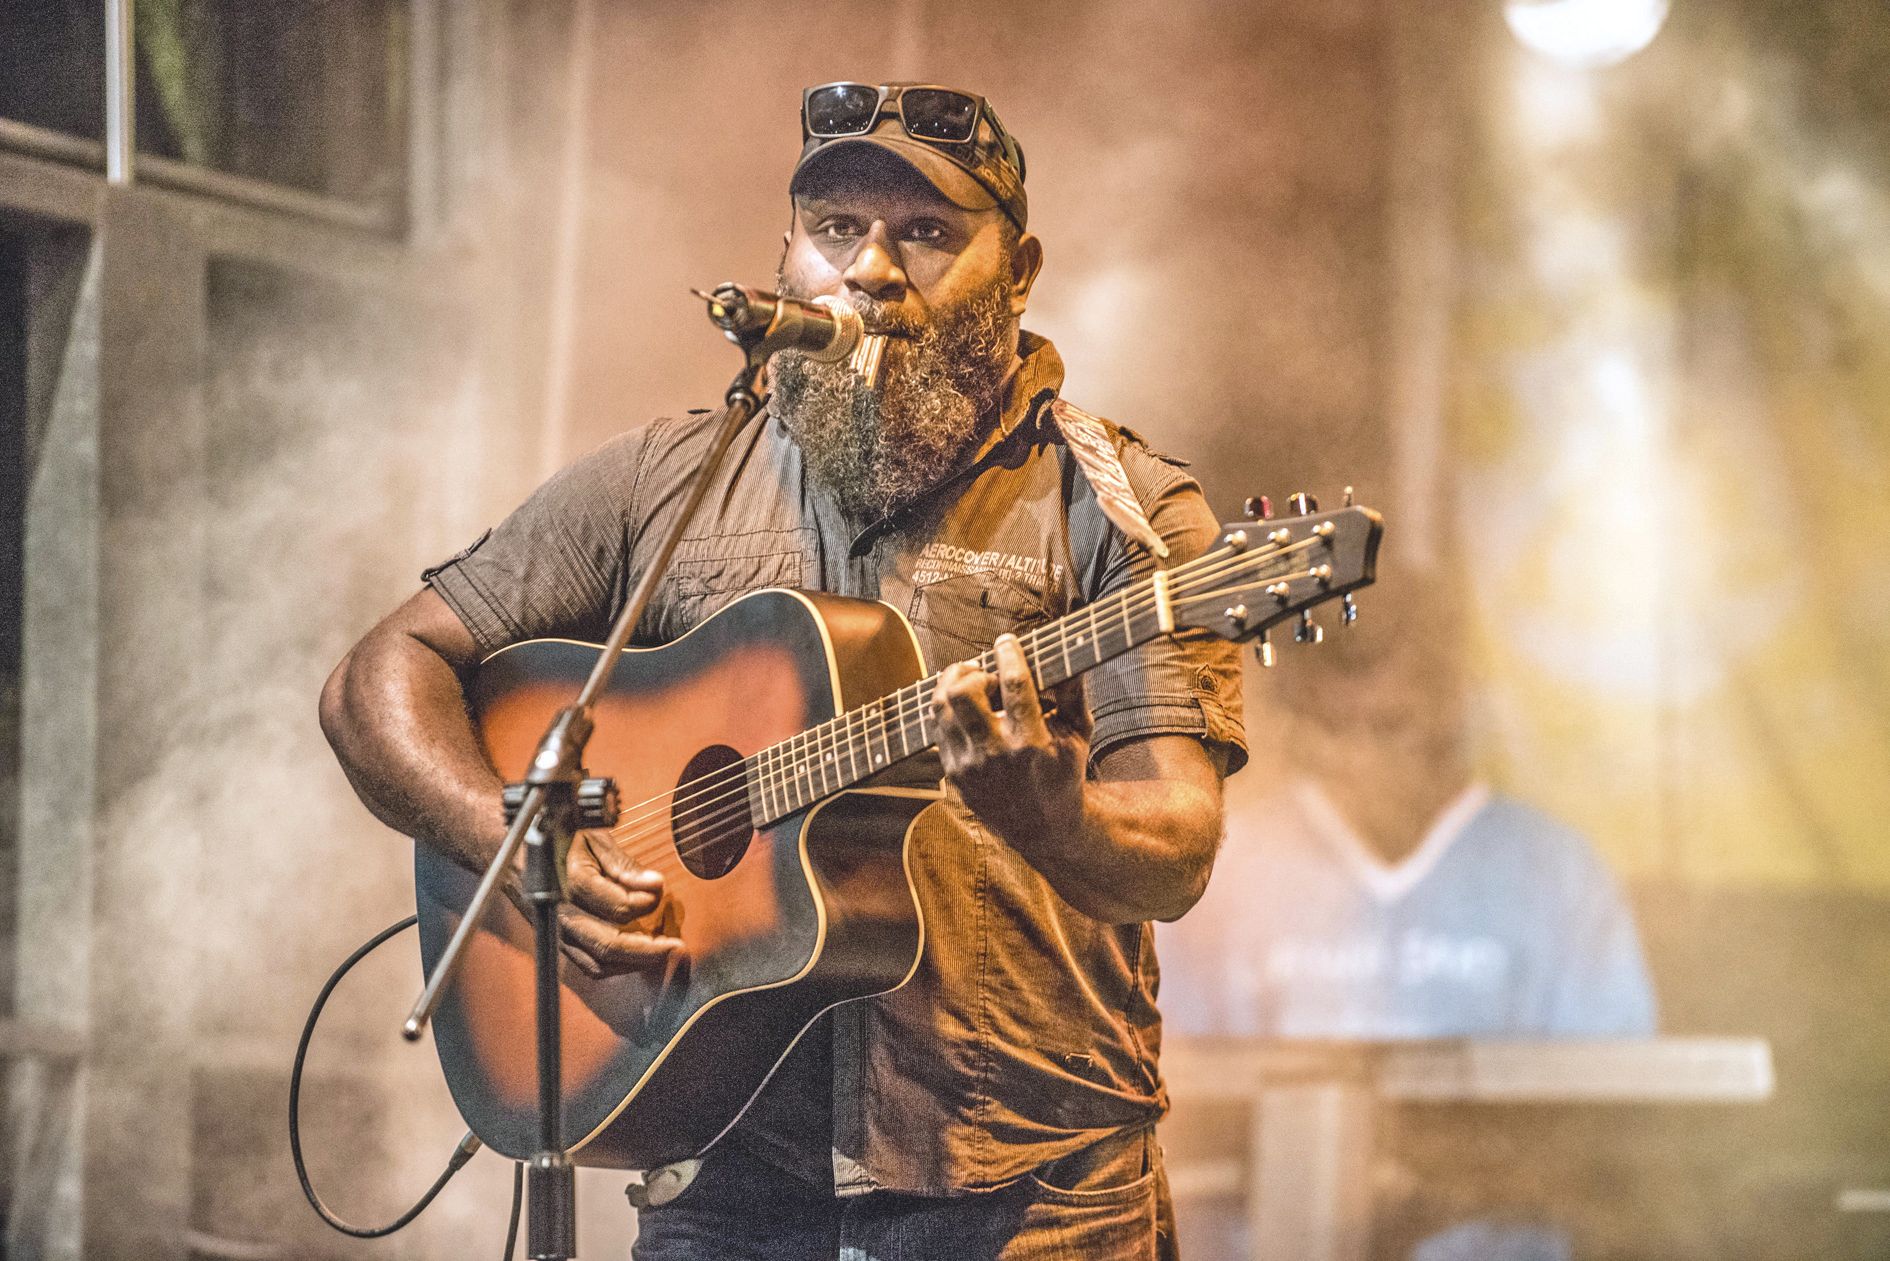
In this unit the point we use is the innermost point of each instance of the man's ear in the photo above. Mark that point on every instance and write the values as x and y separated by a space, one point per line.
1026 262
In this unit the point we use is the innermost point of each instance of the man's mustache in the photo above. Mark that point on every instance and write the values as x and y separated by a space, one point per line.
884 318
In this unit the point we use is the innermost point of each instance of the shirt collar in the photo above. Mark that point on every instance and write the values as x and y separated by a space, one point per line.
1038 377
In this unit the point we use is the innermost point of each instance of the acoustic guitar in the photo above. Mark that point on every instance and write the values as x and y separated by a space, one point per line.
763 752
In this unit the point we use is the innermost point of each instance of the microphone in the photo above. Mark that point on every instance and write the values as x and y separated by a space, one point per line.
825 329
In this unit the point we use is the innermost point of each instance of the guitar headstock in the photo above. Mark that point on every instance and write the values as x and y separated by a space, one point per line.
1265 570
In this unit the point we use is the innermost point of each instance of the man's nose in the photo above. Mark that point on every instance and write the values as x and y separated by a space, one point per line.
875 270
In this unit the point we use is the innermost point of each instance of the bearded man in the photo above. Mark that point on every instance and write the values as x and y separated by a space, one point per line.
1002 1103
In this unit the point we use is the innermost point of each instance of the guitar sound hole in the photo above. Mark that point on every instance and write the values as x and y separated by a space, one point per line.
708 816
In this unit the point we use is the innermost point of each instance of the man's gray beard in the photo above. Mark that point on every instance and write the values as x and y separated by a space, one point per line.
875 449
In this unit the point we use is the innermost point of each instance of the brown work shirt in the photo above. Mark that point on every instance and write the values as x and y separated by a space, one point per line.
1029 1029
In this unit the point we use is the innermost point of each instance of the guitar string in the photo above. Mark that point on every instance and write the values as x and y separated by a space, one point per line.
740 783
826 736
814 751
732 800
725 783
836 737
668 853
734 811
823 740
737 785
856 724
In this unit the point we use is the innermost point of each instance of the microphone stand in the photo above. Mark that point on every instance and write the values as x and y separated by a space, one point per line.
557 799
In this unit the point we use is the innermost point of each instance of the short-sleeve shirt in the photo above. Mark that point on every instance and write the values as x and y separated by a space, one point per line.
1029 1029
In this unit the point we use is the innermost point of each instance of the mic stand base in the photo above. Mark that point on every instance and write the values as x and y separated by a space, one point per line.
551 1207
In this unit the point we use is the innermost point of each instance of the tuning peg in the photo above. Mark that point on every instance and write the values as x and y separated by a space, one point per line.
1259 508
1348 497
1302 503
1263 650
1348 610
1308 631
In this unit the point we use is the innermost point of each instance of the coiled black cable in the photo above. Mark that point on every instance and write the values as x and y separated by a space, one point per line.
461 1154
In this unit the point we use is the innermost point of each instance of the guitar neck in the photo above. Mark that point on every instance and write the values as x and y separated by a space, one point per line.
844 751
1259 574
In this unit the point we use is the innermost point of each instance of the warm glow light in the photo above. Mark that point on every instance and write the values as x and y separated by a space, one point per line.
1585 33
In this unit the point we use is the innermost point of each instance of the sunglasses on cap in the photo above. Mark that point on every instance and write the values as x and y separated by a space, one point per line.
942 117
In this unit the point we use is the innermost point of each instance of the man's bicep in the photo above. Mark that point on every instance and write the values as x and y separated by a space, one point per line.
1171 788
427 618
557 563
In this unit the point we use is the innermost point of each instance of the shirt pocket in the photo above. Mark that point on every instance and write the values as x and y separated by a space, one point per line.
961 616
707 573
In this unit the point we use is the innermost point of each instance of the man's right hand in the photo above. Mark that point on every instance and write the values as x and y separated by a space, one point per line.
607 927
395 711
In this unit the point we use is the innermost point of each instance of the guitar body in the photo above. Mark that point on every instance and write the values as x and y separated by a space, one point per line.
779 923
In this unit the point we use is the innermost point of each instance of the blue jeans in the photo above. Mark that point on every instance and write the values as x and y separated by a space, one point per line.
1108 1203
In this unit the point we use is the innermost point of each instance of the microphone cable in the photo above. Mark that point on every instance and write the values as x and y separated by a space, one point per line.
468 1145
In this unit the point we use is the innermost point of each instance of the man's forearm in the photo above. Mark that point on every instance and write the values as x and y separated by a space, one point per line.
1133 843
1142 850
396 716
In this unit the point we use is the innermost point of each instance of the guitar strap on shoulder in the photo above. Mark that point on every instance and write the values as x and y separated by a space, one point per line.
1092 442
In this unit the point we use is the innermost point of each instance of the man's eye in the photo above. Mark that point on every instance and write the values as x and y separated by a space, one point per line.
838 230
930 232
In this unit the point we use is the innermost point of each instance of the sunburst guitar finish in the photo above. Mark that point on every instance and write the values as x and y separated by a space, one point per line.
779 922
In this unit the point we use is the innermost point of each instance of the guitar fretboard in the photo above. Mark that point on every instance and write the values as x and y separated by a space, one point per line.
862 742
1235 590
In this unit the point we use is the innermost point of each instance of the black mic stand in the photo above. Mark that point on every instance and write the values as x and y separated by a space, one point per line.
554 801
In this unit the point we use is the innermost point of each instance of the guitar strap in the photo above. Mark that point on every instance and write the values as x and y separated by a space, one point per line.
1094 447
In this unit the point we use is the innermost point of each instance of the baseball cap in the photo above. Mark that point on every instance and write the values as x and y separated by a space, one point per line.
951 137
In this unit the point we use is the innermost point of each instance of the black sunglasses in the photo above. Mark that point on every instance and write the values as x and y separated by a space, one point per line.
935 115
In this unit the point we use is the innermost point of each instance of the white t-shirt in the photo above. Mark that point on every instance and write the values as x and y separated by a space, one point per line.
1502 922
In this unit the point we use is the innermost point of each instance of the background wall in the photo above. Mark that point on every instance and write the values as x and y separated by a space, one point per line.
1610 348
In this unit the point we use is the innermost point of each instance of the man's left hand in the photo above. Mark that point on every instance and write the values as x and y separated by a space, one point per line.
1017 768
